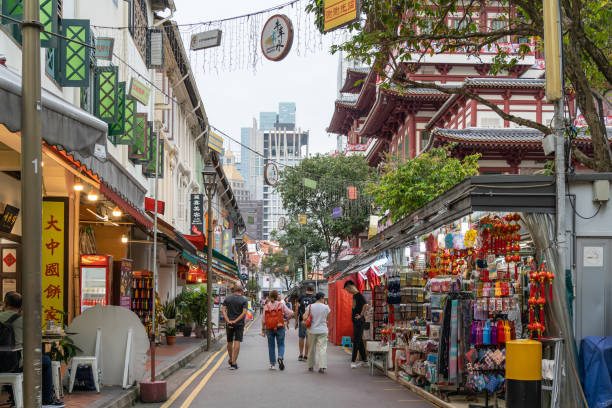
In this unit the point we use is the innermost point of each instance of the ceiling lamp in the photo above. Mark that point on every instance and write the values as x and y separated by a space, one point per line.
78 186
92 195
117 212
124 239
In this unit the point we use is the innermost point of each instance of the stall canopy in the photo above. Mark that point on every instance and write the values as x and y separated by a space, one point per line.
65 125
221 264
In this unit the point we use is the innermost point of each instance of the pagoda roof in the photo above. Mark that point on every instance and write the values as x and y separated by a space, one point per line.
352 106
396 102
352 76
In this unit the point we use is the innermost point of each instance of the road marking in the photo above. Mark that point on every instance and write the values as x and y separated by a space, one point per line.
204 381
182 388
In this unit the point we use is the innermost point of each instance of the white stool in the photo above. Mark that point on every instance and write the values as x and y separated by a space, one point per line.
90 361
15 380
56 369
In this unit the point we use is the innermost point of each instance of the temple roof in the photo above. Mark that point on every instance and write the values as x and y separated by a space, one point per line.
352 76
504 83
351 106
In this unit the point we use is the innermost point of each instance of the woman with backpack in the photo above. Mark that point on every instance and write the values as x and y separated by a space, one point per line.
273 326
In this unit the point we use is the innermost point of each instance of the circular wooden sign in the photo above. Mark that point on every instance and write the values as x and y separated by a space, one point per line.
271 175
277 37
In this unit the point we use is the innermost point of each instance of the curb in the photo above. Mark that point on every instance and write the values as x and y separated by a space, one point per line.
420 392
130 396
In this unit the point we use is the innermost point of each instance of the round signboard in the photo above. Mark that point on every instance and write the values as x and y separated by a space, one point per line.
271 174
281 223
277 37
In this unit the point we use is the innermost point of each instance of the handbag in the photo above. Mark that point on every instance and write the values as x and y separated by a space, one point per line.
309 320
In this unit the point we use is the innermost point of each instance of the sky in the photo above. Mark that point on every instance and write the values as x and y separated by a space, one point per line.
233 99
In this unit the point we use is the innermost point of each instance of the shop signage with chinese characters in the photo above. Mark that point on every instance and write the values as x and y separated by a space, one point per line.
8 219
104 48
277 37
339 13
54 250
140 91
197 220
227 243
218 238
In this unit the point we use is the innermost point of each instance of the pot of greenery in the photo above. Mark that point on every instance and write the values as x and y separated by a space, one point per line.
198 310
169 310
182 301
63 351
170 335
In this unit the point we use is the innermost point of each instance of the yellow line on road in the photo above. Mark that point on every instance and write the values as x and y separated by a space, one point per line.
180 390
204 381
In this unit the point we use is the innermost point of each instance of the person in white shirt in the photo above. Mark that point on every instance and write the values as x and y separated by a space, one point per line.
318 332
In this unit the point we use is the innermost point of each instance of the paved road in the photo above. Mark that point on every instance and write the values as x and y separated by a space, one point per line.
254 385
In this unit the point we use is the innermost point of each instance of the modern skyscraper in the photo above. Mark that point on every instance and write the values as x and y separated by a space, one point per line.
286 113
267 120
245 156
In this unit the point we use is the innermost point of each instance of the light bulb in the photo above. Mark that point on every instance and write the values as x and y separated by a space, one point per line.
124 239
78 186
92 195
117 212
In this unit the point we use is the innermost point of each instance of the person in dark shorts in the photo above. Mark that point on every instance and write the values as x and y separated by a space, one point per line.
304 301
235 308
360 308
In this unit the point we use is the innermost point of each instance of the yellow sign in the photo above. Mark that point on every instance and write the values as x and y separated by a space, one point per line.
53 260
215 142
302 219
373 230
339 13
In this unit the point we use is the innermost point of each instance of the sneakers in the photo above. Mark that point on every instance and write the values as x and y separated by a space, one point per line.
54 404
310 369
272 367
363 364
233 367
354 365
322 370
301 358
281 364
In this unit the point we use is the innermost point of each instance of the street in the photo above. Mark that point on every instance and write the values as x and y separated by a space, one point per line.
254 385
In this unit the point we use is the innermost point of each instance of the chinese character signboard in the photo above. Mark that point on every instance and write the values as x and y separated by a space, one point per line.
339 13
54 250
140 91
104 48
8 218
227 243
197 219
218 238
277 37
125 284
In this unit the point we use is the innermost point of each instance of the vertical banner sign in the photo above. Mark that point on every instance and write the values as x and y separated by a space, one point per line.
54 240
302 219
125 284
218 238
373 230
197 221
337 212
352 192
227 243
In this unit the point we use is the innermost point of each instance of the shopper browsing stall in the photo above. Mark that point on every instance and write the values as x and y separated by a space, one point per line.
360 308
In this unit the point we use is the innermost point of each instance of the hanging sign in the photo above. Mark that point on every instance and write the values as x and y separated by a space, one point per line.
277 37
7 221
104 48
271 175
373 230
150 205
352 192
339 13
337 212
197 221
310 183
215 142
218 238
227 243
54 251
139 91
281 223
206 39
302 219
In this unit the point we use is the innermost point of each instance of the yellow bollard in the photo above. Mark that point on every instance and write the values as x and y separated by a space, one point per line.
523 374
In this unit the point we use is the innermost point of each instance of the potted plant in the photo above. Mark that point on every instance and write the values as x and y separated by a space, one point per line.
169 310
63 351
198 303
170 335
182 302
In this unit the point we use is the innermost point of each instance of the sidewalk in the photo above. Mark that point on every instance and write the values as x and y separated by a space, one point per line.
168 359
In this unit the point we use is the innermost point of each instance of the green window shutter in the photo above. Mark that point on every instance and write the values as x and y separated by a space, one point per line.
106 95
139 142
74 57
118 128
128 121
148 169
50 62
48 18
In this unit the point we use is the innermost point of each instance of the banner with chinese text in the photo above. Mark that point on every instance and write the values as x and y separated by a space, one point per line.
54 241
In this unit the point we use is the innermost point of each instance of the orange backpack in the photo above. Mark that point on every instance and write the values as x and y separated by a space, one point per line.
274 317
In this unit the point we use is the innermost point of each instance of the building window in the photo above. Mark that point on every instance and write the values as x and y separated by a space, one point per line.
139 25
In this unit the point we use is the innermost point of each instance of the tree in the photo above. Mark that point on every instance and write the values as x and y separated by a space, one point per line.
320 184
295 237
406 187
400 31
283 266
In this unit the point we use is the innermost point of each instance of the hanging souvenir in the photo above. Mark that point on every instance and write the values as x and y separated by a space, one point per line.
470 238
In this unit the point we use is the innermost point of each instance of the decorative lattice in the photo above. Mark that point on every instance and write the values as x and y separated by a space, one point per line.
140 136
118 128
148 169
74 57
139 26
48 18
130 110
106 94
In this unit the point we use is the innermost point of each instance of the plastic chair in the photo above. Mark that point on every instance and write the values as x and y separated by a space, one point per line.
15 380
90 361
346 341
56 369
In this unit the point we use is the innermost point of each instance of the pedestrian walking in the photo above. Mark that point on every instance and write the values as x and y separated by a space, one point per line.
360 308
234 310
304 301
290 307
318 314
273 326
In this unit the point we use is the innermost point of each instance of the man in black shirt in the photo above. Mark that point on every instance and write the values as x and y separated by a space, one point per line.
360 308
234 309
304 301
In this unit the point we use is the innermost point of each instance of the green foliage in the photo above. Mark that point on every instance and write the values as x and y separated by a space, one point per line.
63 350
253 286
169 309
406 187
197 305
333 176
170 331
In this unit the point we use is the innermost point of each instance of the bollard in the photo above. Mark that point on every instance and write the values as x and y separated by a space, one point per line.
523 374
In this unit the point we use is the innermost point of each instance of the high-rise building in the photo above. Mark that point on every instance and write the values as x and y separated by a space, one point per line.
284 146
252 212
245 156
234 177
267 120
286 113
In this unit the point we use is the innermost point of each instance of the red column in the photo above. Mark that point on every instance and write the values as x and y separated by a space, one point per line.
412 135
474 113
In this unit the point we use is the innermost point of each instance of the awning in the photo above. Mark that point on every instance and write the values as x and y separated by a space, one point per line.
221 264
64 124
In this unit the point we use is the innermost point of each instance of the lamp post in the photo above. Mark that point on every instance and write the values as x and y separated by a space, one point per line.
209 177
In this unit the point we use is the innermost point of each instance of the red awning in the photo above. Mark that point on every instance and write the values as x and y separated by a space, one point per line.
197 240
125 206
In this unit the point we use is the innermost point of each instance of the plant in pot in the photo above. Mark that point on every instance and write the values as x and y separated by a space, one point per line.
198 310
170 335
63 351
182 302
169 310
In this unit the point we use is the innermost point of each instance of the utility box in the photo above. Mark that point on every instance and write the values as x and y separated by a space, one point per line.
601 190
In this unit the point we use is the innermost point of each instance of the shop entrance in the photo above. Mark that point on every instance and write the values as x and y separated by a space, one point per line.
594 283
10 268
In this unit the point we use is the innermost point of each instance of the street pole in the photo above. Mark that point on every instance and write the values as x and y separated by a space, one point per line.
209 272
155 271
31 202
560 183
